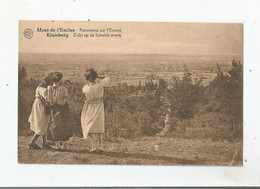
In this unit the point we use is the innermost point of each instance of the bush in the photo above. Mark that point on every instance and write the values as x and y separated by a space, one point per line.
135 111
222 132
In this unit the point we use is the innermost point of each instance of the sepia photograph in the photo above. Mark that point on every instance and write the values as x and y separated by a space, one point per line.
130 93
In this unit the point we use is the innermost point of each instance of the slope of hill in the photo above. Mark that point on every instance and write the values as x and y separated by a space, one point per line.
144 151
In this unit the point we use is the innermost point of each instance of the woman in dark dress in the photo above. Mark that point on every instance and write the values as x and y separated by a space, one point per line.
60 127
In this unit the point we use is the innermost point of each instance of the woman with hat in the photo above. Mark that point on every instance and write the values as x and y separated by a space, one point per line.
59 125
40 114
92 116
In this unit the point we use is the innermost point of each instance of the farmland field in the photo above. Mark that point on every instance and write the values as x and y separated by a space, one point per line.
125 67
204 128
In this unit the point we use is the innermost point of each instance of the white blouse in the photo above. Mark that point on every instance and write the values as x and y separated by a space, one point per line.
95 91
41 92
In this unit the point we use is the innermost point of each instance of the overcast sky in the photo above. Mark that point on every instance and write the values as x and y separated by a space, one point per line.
140 38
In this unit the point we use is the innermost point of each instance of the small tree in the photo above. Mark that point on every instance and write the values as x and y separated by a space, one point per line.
226 91
22 73
162 86
183 95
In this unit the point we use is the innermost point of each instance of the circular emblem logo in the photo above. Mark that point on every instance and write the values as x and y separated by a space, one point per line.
28 33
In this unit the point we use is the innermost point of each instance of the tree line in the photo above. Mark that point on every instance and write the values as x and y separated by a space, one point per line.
140 110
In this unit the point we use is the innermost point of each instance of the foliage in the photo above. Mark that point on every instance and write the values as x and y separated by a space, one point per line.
183 95
225 93
26 92
139 110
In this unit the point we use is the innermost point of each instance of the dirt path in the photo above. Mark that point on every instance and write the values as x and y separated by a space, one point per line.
144 151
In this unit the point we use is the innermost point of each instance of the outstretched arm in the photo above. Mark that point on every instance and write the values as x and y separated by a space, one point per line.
104 80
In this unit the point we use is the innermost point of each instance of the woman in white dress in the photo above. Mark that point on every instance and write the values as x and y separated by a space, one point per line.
92 116
40 114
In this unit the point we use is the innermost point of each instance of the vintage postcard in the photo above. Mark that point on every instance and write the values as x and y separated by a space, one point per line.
130 93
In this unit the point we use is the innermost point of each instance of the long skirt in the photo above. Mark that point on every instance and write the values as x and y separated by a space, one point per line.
60 127
39 119
92 118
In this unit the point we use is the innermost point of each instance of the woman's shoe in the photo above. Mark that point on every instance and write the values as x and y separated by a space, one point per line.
63 145
46 146
57 146
33 146
101 150
51 143
93 150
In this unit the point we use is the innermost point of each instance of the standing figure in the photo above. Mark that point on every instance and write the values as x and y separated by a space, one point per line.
40 114
60 127
92 116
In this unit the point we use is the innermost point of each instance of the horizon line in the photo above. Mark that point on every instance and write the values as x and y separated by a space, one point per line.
134 54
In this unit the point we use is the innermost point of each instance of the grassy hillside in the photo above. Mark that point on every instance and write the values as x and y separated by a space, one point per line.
204 125
143 151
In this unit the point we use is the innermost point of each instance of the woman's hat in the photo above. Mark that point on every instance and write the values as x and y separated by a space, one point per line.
48 79
57 76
